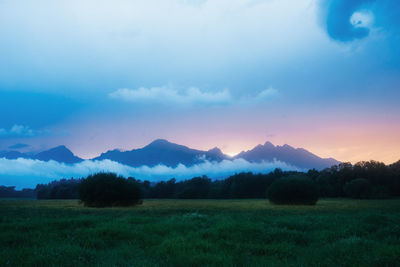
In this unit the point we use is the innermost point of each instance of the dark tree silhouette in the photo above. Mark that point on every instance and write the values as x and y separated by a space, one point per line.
358 188
108 189
293 190
331 182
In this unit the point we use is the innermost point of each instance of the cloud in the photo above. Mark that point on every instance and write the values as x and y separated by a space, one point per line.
337 16
19 131
264 95
28 172
346 20
145 40
18 146
169 95
190 96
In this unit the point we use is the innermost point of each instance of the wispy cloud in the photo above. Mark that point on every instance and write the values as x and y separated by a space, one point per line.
27 172
170 95
19 131
18 146
262 96
189 96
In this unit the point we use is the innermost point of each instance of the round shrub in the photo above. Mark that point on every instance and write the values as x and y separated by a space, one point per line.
358 188
108 189
293 190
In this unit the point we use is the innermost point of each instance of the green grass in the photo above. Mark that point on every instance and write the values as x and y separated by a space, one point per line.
200 232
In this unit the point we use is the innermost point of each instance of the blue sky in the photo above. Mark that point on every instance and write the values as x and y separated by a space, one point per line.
97 75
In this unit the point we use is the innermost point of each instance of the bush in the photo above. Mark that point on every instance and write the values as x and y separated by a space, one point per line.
358 188
293 190
108 189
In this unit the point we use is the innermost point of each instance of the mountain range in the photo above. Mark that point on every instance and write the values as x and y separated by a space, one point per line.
60 154
163 152
298 157
169 154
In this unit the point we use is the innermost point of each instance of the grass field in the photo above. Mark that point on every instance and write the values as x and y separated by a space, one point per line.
200 232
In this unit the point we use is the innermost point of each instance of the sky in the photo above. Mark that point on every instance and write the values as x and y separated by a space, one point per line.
98 75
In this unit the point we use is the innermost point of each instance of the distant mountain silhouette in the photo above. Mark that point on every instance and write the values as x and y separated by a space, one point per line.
163 152
169 154
298 157
60 154
13 154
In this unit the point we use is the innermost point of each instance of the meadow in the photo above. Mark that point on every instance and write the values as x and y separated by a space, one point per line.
335 232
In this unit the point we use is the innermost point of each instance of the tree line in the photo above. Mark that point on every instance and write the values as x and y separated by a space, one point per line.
10 192
343 180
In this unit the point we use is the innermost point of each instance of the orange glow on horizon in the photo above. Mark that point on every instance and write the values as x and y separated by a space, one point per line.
347 140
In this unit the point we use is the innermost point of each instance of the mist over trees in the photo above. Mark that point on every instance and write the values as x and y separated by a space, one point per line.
380 181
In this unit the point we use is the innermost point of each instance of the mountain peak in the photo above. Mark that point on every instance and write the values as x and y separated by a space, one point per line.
268 144
163 152
60 148
215 151
286 146
59 153
159 142
215 154
57 149
299 157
